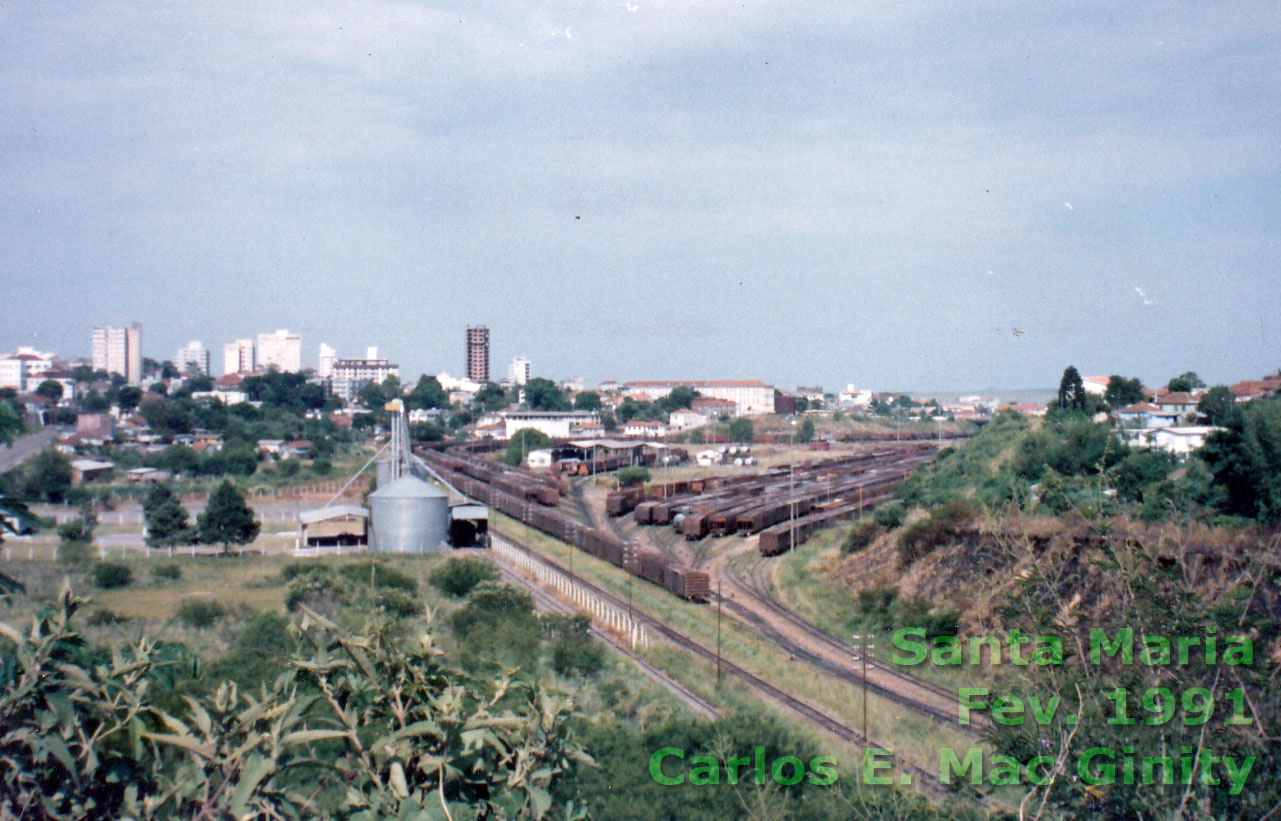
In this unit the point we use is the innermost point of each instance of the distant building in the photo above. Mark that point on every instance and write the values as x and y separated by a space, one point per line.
1096 385
96 425
281 350
572 385
238 357
556 424
350 375
518 371
478 353
117 349
192 358
647 429
686 419
325 361
750 396
1177 440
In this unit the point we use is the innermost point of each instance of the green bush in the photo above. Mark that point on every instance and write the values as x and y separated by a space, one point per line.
458 576
860 537
322 466
74 552
200 613
922 537
103 616
890 514
574 651
381 575
166 572
398 603
632 475
109 576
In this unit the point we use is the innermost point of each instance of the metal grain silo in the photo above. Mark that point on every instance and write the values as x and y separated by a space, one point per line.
408 516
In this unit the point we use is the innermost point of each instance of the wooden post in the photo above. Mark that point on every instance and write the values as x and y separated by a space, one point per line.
719 585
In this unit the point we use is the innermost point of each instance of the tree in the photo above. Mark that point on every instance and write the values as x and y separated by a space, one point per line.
128 397
587 401
1071 390
1185 382
159 388
427 394
632 475
167 522
371 397
542 394
198 383
522 442
95 402
1216 405
179 459
227 519
48 476
168 370
806 433
50 389
391 388
608 421
681 396
490 397
1122 392
742 430
10 423
1245 458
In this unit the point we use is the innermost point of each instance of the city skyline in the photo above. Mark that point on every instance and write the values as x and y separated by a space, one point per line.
919 198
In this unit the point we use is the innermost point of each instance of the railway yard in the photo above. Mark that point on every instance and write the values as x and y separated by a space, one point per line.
709 541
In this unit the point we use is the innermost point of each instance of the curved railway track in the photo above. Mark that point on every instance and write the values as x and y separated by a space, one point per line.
908 691
928 780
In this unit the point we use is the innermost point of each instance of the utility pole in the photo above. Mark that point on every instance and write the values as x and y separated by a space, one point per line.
863 651
719 598
791 489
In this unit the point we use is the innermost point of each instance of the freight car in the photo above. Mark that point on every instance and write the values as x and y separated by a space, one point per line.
685 582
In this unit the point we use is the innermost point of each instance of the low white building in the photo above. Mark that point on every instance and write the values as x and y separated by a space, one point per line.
685 419
750 396
1177 440
556 424
649 430
227 398
541 458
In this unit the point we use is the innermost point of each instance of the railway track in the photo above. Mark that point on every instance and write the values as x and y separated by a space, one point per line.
909 691
549 603
840 660
927 779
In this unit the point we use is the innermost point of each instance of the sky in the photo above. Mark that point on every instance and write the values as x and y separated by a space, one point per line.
899 195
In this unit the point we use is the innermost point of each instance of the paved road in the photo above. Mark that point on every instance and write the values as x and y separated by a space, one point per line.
25 446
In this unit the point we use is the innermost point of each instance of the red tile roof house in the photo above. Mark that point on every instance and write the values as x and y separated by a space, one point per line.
1254 388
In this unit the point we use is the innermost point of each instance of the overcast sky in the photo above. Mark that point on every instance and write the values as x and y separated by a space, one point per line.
899 195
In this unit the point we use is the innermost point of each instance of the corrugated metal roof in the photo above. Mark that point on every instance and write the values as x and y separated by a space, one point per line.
332 512
408 487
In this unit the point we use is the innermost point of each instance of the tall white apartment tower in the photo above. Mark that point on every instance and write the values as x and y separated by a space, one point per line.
193 357
518 370
282 350
325 362
238 357
117 349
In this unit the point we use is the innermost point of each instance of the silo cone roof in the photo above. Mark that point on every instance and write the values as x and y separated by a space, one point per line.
408 487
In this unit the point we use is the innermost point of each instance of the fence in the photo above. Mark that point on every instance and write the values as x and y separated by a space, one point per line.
611 615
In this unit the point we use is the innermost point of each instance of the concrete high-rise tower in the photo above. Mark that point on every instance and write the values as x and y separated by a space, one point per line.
518 371
478 353
117 349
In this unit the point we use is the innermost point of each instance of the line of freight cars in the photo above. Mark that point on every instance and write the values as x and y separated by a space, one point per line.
749 516
779 538
523 484
693 585
591 467
662 511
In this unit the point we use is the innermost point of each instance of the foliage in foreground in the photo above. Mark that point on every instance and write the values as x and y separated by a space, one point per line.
385 727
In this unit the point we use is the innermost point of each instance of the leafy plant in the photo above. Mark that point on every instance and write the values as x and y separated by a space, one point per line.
110 575
200 612
458 575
